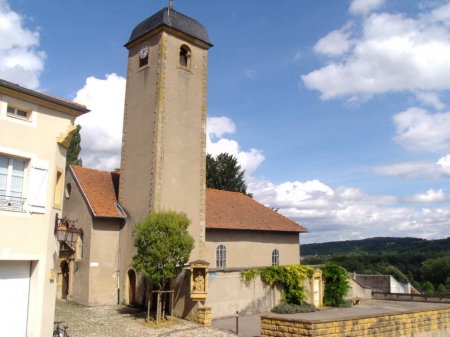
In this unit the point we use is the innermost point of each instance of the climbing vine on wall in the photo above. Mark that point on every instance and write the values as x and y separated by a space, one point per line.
292 277
337 284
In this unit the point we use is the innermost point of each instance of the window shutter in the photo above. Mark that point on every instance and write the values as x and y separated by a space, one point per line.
38 186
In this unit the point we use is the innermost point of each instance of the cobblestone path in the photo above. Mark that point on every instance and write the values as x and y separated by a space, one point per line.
121 321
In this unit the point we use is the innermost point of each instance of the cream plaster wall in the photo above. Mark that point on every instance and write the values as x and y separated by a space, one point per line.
27 236
95 275
76 208
252 248
104 250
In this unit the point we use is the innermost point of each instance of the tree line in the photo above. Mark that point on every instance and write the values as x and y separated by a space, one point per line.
424 263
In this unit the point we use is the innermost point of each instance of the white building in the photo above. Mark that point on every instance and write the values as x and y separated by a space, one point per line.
35 131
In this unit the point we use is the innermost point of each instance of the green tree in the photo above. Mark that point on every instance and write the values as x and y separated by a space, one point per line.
337 284
224 173
163 246
447 282
74 149
397 274
441 290
436 270
416 285
428 288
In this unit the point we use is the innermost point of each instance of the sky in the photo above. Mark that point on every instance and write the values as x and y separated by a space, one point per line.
339 111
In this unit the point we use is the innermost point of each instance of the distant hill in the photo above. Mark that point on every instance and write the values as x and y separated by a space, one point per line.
378 245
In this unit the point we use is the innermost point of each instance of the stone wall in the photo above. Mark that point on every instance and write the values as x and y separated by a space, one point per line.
410 297
358 290
227 294
403 324
382 283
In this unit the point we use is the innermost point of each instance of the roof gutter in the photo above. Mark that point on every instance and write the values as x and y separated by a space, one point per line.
44 97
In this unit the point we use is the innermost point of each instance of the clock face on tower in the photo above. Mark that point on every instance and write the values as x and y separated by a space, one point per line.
143 52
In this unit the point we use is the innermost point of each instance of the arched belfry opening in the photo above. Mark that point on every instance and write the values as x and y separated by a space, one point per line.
185 56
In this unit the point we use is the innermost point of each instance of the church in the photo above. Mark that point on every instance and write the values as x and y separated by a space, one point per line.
163 166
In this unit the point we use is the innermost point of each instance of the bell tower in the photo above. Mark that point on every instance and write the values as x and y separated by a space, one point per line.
164 140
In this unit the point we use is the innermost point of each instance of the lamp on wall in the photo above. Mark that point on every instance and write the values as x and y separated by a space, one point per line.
65 231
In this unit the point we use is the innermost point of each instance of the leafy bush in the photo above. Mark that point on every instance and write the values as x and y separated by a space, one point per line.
287 308
428 288
416 285
345 304
337 284
441 290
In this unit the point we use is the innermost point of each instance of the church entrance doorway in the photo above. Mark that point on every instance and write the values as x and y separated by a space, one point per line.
131 287
65 280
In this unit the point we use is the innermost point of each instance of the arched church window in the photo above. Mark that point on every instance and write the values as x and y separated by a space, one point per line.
221 256
275 257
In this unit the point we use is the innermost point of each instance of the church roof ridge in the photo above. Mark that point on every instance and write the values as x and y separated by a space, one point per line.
173 19
235 210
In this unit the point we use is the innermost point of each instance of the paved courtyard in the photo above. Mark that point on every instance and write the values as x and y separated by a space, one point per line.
121 321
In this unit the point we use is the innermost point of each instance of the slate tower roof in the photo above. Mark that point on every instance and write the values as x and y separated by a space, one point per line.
174 20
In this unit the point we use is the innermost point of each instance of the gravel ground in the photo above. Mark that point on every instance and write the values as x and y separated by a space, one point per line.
122 321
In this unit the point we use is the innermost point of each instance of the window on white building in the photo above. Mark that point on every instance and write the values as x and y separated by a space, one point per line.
17 112
11 183
221 256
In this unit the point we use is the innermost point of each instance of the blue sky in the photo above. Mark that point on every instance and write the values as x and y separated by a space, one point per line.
338 110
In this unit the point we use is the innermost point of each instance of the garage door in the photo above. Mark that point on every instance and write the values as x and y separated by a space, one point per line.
14 290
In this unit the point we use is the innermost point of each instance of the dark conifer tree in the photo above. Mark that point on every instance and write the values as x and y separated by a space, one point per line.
224 173
74 149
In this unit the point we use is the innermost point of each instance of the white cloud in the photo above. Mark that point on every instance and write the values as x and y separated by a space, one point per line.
101 133
20 61
430 98
335 43
431 196
418 130
364 6
392 53
424 170
444 162
216 144
218 126
348 213
297 56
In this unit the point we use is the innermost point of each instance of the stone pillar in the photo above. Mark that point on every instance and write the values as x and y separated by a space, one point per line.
204 316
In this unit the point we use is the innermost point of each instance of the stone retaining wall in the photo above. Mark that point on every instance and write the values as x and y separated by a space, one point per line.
401 324
410 297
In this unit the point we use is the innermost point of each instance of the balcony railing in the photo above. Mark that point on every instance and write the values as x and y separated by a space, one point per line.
11 203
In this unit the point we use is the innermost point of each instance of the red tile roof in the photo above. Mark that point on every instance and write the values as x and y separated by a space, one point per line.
100 189
232 210
224 210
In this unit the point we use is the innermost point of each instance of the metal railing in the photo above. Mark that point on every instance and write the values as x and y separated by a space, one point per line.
11 203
